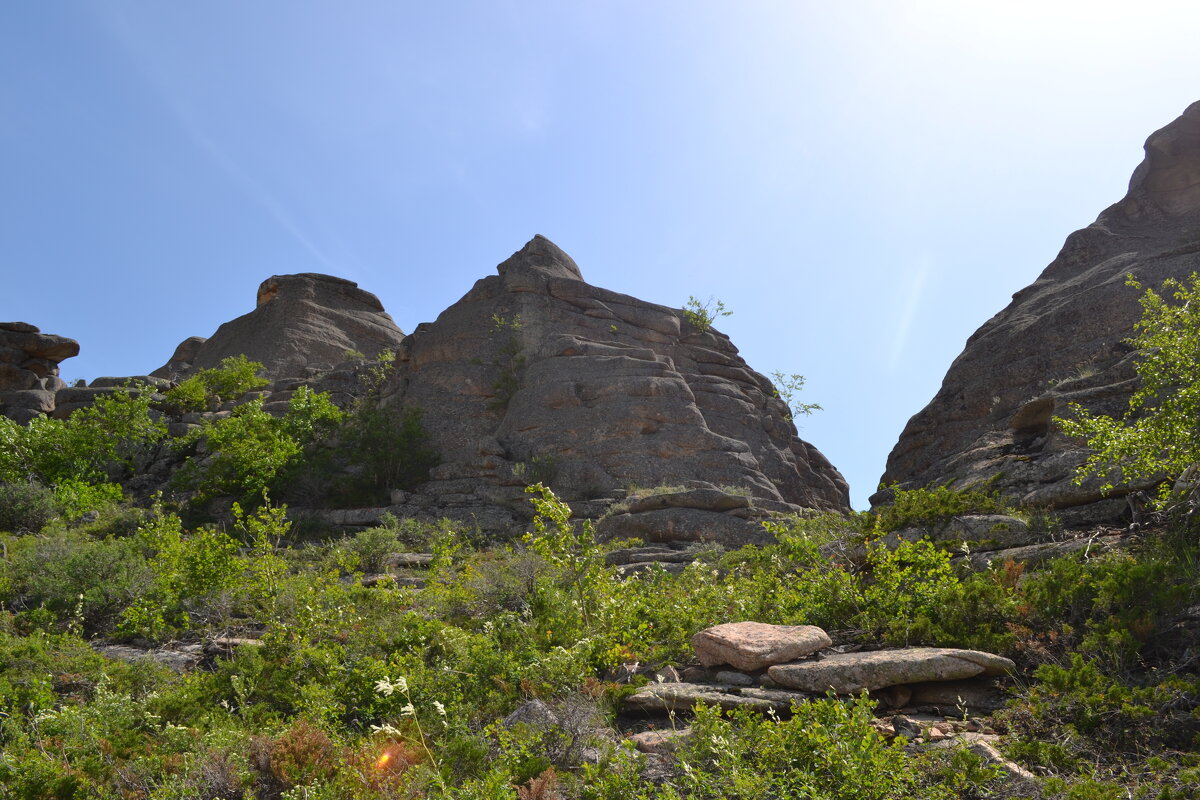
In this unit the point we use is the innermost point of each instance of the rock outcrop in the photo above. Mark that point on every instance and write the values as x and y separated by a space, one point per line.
303 324
848 673
1061 340
29 376
536 375
782 665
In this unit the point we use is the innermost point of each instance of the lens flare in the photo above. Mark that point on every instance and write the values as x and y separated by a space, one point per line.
383 759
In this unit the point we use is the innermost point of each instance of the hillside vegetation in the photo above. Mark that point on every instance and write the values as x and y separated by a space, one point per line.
315 665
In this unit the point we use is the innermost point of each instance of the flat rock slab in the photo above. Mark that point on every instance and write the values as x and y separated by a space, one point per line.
849 673
662 698
751 646
182 659
703 499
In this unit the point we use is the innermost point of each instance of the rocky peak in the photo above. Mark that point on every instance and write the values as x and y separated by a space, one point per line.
301 324
542 256
1061 340
1168 179
536 375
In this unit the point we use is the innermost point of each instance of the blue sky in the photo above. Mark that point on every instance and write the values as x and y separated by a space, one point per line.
863 183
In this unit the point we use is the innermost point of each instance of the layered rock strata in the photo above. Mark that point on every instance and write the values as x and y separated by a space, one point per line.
1061 340
29 375
535 375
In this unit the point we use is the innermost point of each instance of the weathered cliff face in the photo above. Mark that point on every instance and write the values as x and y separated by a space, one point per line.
1061 340
537 374
302 324
29 376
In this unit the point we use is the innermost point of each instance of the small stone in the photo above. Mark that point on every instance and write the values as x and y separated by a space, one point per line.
535 714
903 726
660 742
733 678
667 674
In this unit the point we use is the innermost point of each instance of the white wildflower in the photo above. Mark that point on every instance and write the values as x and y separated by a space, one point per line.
408 711
386 686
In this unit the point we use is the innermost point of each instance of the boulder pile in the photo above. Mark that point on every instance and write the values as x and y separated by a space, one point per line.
770 667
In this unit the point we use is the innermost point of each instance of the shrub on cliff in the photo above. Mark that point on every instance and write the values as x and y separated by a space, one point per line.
208 388
248 450
79 458
94 444
1159 434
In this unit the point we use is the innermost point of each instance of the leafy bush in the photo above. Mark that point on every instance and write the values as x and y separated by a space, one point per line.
208 388
187 570
1111 605
94 445
372 546
1159 435
250 449
387 447
787 388
702 315
79 582
1078 720
918 508
26 507
827 750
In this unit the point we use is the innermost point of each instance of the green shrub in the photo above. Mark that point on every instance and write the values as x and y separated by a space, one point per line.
1078 718
187 570
250 450
932 507
372 547
94 445
702 315
1110 605
1159 434
826 750
189 394
208 388
77 498
787 388
26 507
388 449
81 582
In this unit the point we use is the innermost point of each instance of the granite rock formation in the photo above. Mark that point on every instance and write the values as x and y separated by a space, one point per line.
536 375
303 324
29 376
1061 340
